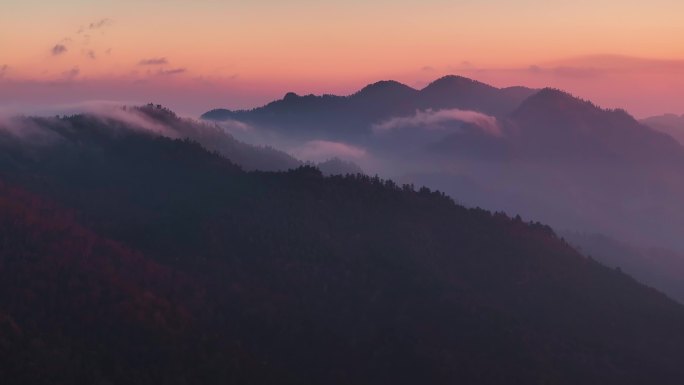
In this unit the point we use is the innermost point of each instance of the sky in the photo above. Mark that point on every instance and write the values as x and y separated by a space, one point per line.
194 55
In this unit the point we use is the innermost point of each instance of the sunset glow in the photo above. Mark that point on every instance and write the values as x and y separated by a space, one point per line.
196 55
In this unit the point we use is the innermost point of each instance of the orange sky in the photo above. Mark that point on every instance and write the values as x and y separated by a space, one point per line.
202 54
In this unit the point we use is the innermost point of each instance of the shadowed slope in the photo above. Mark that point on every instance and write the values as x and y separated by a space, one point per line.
341 279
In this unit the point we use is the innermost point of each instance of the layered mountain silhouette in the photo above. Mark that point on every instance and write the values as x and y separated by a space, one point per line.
561 125
132 257
545 154
654 266
554 126
353 115
670 124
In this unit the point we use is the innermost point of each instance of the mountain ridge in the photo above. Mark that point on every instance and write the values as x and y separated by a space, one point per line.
450 91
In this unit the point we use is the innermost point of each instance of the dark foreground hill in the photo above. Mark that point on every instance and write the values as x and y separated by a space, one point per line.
129 258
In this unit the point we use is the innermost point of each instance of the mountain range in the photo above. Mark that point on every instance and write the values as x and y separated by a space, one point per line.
348 116
544 154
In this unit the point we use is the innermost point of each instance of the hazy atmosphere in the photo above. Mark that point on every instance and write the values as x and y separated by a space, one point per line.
341 192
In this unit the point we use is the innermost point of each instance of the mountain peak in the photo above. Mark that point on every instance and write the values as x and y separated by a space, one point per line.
550 92
553 99
290 96
453 81
384 86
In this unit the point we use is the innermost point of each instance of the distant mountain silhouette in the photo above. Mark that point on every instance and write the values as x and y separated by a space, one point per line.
657 267
552 124
129 257
670 124
558 159
568 162
344 117
466 94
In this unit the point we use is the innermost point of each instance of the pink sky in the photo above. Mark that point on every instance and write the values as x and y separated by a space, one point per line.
202 54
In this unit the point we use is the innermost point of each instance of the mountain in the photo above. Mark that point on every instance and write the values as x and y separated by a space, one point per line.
467 94
75 305
670 124
212 137
343 117
129 257
544 154
554 124
656 267
565 161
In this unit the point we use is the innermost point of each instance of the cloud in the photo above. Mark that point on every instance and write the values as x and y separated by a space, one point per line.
322 150
27 130
153 61
535 69
32 130
569 71
174 71
71 74
100 24
90 53
3 70
431 119
58 49
578 72
589 67
234 125
133 118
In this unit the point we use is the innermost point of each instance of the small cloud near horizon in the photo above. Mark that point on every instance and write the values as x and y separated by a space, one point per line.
174 71
71 74
153 61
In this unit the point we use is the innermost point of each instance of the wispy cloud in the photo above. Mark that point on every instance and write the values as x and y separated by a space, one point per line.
153 61
3 70
431 119
71 74
174 71
100 24
58 49
322 150
585 67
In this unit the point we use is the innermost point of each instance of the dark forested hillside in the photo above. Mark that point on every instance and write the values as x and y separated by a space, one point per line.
214 138
131 258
